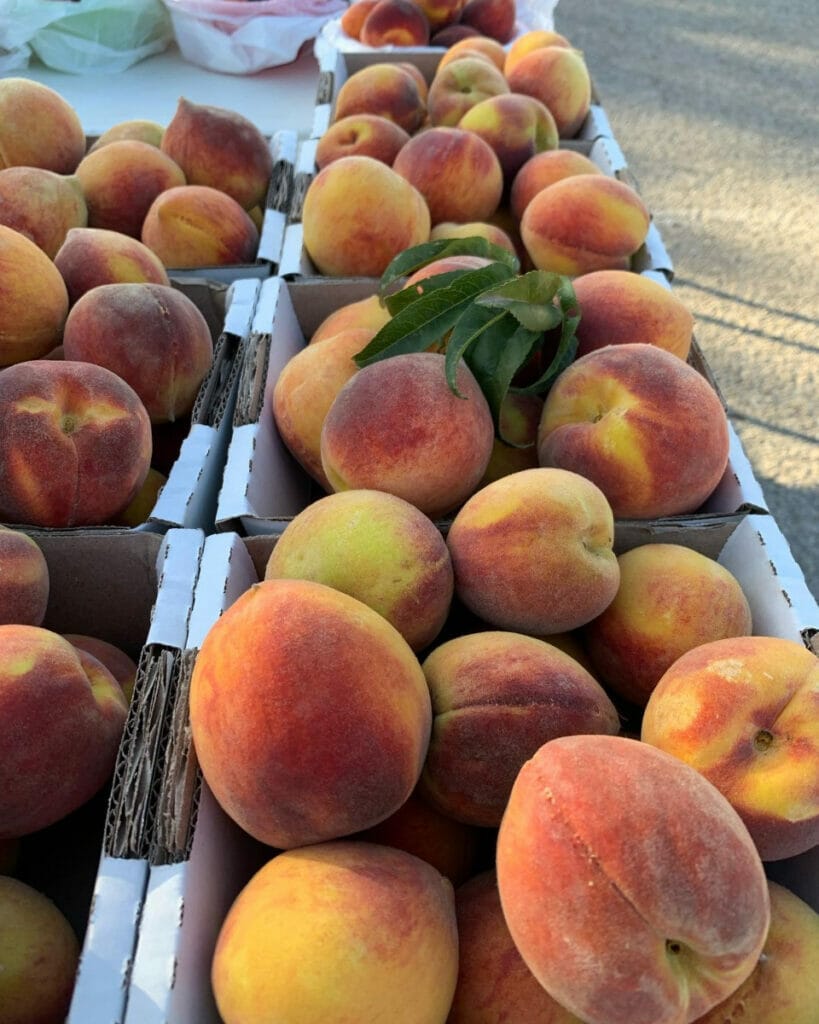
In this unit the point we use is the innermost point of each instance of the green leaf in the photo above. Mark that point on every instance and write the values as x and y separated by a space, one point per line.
410 260
566 351
495 359
474 324
530 299
400 300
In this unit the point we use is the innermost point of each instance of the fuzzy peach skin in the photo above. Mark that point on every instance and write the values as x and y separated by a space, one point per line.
199 226
39 956
493 18
582 223
461 84
75 443
535 39
784 985
93 256
353 17
221 149
33 300
446 37
475 46
63 714
418 828
385 89
744 711
642 424
630 886
478 228
618 307
153 336
544 169
139 128
670 600
38 127
497 697
358 214
24 579
456 171
305 390
494 984
377 548
396 426
533 552
318 760
341 932
368 312
361 135
519 419
121 666
41 205
559 78
395 23
515 126
440 13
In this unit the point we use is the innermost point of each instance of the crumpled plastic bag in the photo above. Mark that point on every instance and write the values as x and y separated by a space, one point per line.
103 36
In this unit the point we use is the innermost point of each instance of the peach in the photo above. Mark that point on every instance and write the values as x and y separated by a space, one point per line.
642 424
377 548
417 74
63 714
39 956
783 987
94 256
75 443
305 390
494 984
655 904
418 828
358 215
41 205
618 307
141 506
396 426
742 711
559 78
451 34
461 84
456 172
496 698
343 931
533 552
38 127
475 46
535 39
395 23
544 169
136 129
361 135
121 180
493 18
198 226
440 13
583 223
671 599
24 579
221 149
445 265
316 762
121 666
515 126
151 335
516 448
368 312
384 89
33 300
352 18
473 229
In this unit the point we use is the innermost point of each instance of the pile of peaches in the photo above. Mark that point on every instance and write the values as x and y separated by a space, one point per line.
428 22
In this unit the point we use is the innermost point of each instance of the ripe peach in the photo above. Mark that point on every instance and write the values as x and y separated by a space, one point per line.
24 579
441 13
63 714
199 226
396 426
493 18
139 509
515 126
121 666
384 89
352 18
343 931
670 600
221 149
475 46
93 256
395 23
121 180
642 424
359 214
39 956
651 876
361 135
461 84
41 205
544 169
137 129
151 335
533 552
742 711
451 34
535 39
33 300
306 388
519 419
559 78
320 762
38 127
456 171
582 223
377 548
368 312
445 265
75 443
496 698
471 229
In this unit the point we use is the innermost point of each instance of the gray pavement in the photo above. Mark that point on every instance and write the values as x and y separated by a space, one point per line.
715 106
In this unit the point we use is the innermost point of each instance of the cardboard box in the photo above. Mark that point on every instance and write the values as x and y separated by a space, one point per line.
263 486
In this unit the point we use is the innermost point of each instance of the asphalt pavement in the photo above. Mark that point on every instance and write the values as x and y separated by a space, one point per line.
714 105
